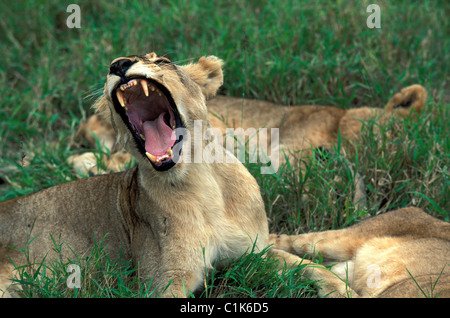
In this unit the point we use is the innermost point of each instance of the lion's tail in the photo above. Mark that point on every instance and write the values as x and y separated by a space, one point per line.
408 99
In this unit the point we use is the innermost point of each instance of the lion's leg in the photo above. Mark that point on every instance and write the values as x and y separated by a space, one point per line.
181 283
341 245
174 273
173 283
330 285
332 245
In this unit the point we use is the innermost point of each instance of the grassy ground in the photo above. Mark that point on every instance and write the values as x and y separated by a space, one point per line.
290 52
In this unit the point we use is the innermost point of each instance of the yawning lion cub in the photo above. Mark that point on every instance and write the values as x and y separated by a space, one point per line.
172 218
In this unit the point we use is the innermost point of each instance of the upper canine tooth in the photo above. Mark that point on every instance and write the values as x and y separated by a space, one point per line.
120 98
144 86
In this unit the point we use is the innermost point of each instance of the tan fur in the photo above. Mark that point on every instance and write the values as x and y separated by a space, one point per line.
173 224
372 258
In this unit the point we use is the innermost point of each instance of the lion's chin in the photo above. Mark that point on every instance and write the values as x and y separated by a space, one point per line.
151 116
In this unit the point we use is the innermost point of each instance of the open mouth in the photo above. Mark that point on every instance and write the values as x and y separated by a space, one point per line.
148 110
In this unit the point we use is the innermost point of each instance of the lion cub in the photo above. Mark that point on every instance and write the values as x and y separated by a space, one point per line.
403 253
170 217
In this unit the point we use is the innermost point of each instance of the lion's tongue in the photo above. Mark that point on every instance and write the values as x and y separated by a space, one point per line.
158 136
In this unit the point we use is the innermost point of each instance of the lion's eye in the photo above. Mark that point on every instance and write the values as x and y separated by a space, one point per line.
162 61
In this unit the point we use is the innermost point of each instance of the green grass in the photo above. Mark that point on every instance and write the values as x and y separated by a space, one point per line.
253 275
290 52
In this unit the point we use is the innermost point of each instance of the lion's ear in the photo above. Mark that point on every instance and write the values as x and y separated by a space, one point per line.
207 73
411 98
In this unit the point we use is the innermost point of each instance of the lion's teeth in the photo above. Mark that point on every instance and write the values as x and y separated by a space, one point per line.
131 84
158 91
152 88
156 159
162 158
151 157
144 86
120 98
142 136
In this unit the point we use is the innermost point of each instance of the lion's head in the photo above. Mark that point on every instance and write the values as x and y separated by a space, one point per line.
150 100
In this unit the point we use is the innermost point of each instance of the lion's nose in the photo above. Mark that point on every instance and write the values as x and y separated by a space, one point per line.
120 67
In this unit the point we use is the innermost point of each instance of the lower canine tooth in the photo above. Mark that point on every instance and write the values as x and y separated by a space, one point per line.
169 152
151 157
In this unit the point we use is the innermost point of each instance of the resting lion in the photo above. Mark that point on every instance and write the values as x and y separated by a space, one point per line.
403 253
171 217
303 127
